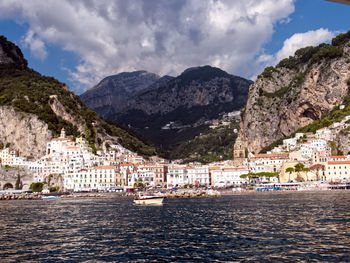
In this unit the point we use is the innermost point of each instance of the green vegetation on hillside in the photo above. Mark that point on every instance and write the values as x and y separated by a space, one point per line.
310 55
204 73
212 145
268 71
27 91
341 39
278 93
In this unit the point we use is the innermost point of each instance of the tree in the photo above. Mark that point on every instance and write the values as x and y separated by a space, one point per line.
301 168
306 170
36 187
259 175
290 170
139 183
18 182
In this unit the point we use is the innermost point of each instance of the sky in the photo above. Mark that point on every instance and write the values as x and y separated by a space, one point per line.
80 42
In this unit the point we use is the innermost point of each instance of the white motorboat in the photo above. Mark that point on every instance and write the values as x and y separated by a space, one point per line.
149 200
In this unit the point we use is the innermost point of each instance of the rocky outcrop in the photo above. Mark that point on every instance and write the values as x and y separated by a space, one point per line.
54 182
23 132
10 53
342 142
296 92
61 111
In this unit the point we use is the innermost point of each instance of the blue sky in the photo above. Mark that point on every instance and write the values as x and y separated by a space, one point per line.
80 42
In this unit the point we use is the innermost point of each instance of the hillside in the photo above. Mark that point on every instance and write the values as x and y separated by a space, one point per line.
298 91
210 146
34 108
172 111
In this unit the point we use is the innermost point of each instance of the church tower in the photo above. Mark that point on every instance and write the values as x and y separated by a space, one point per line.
63 133
239 151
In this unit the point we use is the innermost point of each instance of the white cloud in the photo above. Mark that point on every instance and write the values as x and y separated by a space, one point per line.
299 40
292 44
36 46
159 36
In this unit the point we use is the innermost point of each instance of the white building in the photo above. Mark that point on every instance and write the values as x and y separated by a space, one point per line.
256 167
227 176
306 150
290 143
7 156
337 171
177 176
298 135
319 144
96 178
198 175
324 134
272 161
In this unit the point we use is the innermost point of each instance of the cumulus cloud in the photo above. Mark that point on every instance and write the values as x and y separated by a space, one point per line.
164 37
36 46
297 41
292 44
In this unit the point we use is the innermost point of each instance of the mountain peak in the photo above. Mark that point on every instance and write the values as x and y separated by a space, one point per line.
10 53
203 73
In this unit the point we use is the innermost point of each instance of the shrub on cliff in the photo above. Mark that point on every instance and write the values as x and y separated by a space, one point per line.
341 39
328 51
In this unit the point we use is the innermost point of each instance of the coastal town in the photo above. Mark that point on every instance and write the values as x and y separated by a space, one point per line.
303 160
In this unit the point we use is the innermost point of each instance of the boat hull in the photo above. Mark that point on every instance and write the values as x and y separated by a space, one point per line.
149 201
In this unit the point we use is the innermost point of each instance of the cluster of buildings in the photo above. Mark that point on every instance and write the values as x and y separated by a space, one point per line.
314 152
117 167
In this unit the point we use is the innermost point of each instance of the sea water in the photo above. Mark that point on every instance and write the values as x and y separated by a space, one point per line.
261 227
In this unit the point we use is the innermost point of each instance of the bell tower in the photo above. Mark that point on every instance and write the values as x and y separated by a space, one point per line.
63 133
239 151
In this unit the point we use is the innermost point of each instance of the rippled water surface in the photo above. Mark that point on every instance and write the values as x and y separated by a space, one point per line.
256 227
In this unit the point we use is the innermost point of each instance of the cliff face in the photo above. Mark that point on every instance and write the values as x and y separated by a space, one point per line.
24 132
296 92
202 86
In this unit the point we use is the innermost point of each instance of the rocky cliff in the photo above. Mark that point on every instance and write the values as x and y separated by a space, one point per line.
299 90
195 87
34 108
10 53
23 132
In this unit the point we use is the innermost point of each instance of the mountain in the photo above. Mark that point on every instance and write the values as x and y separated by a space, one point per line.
174 110
301 89
109 96
34 108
